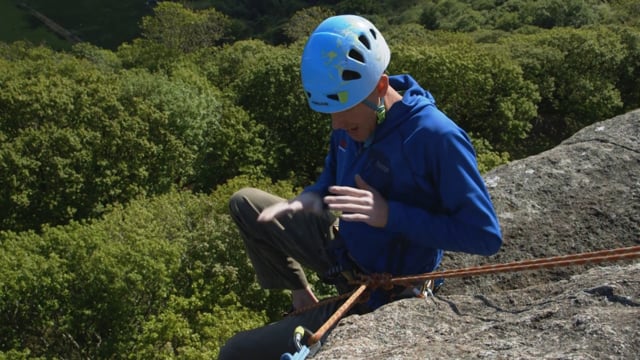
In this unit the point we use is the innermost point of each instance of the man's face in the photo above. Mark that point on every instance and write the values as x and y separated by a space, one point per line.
359 121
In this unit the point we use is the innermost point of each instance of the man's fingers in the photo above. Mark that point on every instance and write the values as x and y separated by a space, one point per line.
266 215
349 208
355 217
272 212
346 200
347 190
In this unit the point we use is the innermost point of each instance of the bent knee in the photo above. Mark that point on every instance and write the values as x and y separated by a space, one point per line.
240 202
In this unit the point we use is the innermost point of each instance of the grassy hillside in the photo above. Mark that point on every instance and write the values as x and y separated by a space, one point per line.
16 24
103 23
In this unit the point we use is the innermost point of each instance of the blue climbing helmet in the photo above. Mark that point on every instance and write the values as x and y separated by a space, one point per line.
342 63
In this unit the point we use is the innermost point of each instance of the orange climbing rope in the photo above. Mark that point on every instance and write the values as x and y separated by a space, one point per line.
351 301
385 281
551 262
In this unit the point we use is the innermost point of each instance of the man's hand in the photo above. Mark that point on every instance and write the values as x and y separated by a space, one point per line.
363 204
304 202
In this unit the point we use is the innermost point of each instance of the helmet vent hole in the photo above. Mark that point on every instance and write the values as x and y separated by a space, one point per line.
308 94
333 97
373 33
356 55
350 75
365 41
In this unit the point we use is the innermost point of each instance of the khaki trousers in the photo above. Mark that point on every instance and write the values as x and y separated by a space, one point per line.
278 252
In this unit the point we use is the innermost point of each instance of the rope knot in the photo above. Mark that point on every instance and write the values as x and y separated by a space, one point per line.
375 281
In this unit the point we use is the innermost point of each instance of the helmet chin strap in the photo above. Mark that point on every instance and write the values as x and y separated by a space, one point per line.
381 114
380 110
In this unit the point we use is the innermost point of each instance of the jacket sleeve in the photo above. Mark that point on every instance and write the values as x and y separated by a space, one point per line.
465 219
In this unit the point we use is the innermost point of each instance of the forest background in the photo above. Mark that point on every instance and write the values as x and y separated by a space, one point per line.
118 152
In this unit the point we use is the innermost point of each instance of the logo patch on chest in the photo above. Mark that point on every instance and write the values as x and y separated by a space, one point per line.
378 171
343 145
382 166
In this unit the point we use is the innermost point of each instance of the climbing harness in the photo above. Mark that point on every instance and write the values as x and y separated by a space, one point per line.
386 282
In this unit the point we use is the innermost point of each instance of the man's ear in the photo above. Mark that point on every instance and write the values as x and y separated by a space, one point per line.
383 85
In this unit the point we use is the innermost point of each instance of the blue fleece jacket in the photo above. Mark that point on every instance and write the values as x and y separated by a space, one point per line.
424 165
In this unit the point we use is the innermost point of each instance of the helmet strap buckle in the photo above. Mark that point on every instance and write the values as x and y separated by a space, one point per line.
381 111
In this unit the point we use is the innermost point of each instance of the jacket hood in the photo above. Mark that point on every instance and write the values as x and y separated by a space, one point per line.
414 99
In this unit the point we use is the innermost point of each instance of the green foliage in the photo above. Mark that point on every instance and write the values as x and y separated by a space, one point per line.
105 60
479 88
468 15
78 137
261 19
487 157
453 15
429 16
180 29
226 67
414 35
72 145
172 336
626 12
166 276
560 13
223 141
629 75
577 72
304 21
171 32
358 7
296 136
147 54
